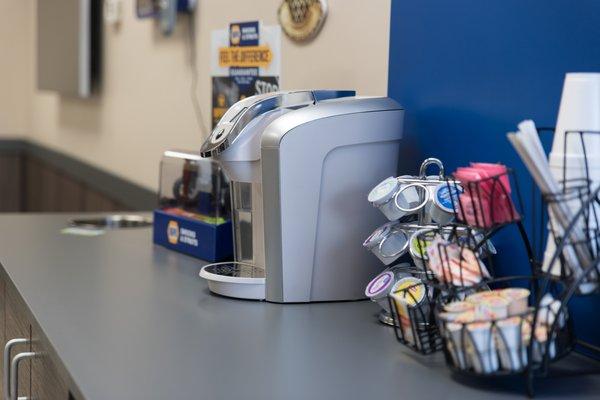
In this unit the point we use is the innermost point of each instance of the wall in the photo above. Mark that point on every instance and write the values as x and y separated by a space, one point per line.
468 71
144 106
16 69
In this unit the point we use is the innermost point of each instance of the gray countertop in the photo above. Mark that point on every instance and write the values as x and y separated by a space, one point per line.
131 320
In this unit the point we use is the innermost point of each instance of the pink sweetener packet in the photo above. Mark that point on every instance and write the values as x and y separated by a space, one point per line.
474 180
495 170
475 210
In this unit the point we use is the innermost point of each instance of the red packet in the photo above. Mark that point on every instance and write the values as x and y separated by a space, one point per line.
475 210
495 170
473 180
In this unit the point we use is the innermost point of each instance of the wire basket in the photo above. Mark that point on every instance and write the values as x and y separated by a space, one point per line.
569 221
573 253
455 256
487 203
412 310
520 326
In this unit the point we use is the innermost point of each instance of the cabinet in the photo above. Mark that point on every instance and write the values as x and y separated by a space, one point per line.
40 374
47 377
30 184
17 327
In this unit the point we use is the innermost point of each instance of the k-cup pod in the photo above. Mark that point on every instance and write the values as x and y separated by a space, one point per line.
454 309
509 343
517 300
419 242
455 338
382 197
476 298
481 348
396 199
465 317
379 288
444 201
492 308
387 242
408 295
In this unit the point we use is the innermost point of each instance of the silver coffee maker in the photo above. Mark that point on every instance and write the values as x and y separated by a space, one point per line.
301 164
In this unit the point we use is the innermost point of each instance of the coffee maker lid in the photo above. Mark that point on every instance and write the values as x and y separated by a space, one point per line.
241 113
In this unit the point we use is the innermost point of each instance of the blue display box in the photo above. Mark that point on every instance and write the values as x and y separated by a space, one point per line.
193 237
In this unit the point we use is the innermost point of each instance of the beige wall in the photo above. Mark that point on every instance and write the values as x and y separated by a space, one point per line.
144 106
16 68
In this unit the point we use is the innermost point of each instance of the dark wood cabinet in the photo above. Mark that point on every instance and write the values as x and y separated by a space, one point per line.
18 327
47 379
31 185
2 330
11 180
41 375
33 192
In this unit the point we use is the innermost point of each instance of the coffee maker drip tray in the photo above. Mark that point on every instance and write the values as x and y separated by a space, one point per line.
235 279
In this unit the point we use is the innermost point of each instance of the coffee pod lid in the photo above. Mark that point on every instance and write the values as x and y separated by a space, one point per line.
453 327
378 235
465 317
459 307
510 322
446 196
380 285
479 326
384 191
477 297
493 308
515 293
418 247
409 290
494 301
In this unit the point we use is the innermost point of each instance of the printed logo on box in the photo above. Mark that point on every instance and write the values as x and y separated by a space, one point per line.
173 232
235 35
178 235
244 33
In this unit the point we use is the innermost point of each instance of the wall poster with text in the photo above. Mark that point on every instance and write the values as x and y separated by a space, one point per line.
245 60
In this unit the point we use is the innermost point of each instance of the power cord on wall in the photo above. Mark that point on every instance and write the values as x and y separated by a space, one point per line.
195 75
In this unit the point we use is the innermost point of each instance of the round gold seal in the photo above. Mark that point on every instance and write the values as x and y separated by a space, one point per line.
302 19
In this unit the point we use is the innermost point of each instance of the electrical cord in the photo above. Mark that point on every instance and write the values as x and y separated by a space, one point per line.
195 76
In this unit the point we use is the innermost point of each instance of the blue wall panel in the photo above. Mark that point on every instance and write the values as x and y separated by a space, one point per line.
467 71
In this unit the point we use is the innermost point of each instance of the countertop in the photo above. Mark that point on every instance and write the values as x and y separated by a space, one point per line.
132 320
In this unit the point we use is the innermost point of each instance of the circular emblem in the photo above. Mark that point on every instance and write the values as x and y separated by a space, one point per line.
235 35
302 19
173 232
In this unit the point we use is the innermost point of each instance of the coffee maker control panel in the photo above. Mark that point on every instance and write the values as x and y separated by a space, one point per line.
243 112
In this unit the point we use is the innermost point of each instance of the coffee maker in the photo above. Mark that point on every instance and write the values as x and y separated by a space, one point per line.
301 164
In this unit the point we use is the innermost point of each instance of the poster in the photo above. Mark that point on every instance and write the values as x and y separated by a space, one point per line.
245 60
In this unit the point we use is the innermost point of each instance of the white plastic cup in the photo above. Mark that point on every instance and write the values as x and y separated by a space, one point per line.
579 110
